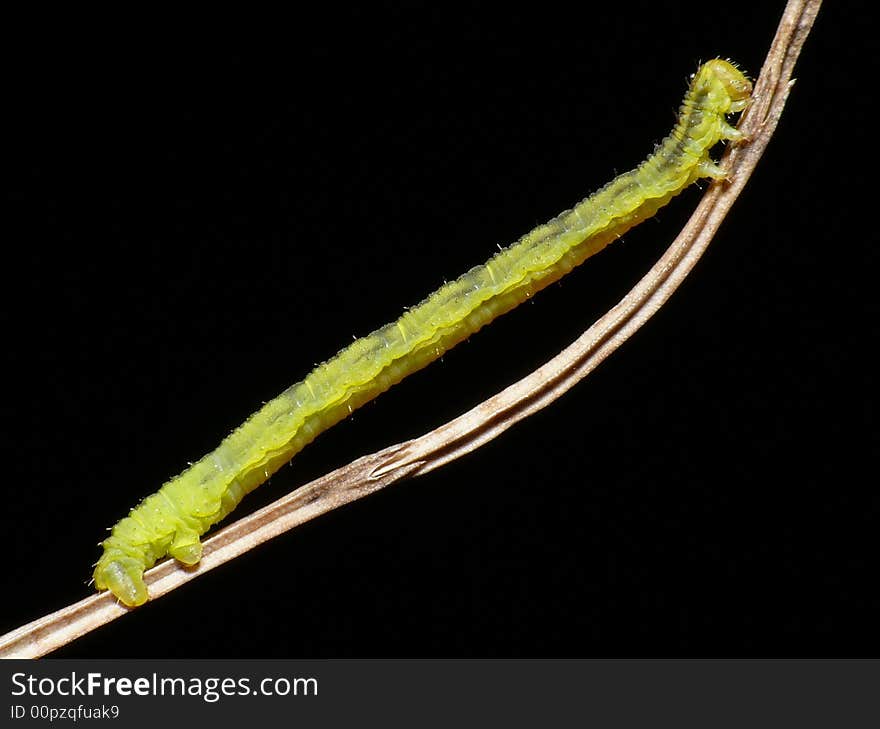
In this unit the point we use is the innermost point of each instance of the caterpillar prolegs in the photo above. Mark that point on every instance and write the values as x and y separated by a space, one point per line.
170 521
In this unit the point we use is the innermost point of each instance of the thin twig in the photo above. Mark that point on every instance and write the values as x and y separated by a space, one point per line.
492 417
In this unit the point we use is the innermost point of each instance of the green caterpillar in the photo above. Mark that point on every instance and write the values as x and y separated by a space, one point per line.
170 521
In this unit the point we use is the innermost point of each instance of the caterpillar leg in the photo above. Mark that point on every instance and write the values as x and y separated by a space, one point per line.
731 133
123 576
186 547
708 168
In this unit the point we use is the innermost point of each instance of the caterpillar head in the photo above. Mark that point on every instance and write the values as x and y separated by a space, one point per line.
728 87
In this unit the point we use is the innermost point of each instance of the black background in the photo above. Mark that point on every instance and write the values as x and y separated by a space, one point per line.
197 217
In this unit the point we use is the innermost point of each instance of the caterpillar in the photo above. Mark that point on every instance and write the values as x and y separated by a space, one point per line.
170 521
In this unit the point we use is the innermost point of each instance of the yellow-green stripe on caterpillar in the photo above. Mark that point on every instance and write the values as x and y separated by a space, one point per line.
170 521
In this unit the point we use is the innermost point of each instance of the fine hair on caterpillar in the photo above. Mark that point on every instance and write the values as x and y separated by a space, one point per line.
171 521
